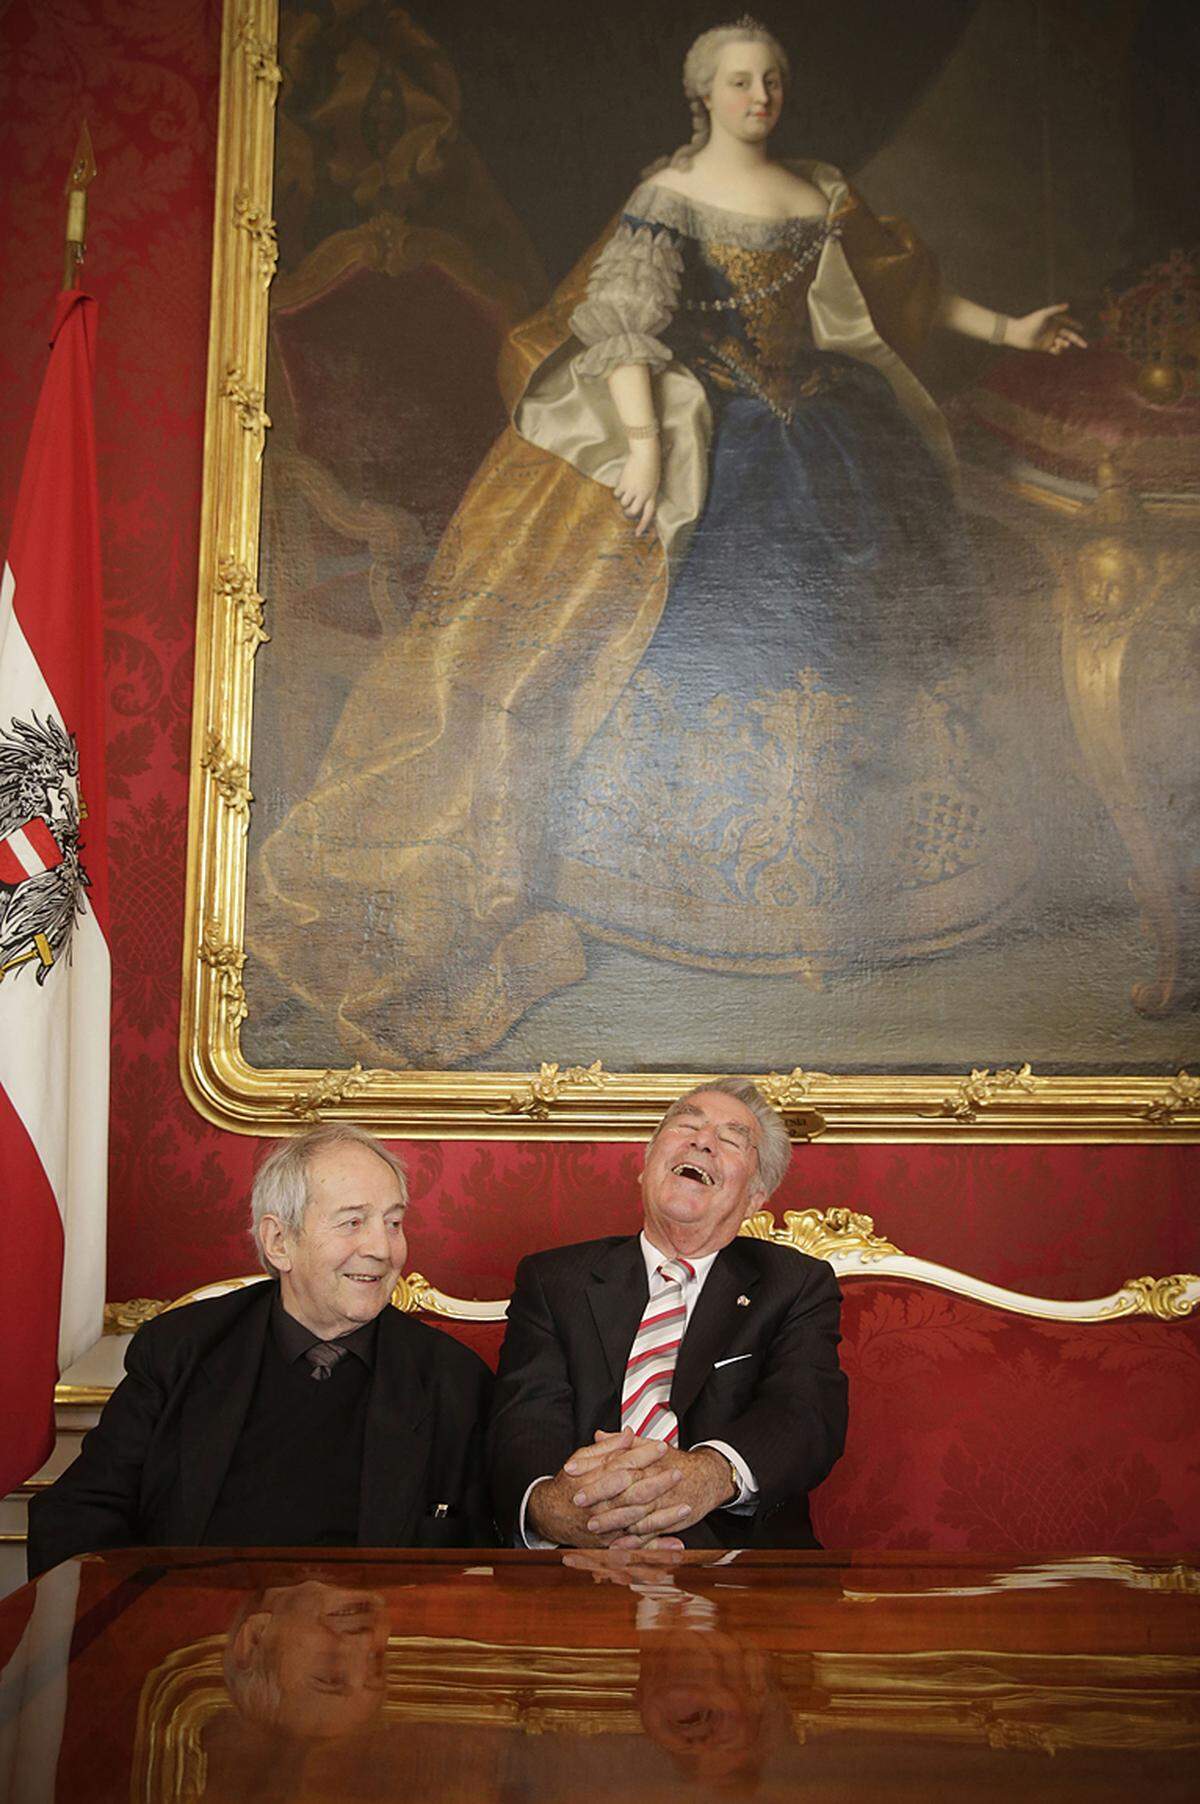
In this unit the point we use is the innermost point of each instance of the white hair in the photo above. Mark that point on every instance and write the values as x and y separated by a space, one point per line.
699 72
771 1143
252 1677
281 1181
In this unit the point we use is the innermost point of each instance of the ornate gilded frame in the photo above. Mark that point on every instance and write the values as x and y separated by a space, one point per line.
564 1102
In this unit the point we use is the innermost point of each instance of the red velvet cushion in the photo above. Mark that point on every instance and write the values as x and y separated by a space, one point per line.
1065 414
974 1429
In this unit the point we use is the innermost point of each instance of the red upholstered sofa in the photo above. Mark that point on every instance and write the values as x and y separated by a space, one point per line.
975 1428
982 1418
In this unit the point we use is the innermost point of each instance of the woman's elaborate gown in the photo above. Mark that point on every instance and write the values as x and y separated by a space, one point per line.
754 744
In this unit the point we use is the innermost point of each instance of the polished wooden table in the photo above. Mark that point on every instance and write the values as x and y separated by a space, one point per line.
338 1677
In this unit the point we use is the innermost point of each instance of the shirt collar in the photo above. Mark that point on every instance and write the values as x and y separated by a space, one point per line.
654 1258
293 1339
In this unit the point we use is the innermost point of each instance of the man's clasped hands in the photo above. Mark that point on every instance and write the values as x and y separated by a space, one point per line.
626 1491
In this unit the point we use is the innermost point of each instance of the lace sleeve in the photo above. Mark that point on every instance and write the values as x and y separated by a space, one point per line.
632 295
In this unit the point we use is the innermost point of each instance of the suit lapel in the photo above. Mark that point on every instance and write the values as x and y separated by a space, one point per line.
713 1323
213 1411
617 1294
396 1444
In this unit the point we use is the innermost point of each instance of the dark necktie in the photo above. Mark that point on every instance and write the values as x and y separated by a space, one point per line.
323 1356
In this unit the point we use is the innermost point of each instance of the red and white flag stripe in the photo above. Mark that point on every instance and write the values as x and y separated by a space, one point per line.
54 993
28 851
650 1368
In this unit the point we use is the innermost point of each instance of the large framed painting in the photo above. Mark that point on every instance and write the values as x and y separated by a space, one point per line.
700 569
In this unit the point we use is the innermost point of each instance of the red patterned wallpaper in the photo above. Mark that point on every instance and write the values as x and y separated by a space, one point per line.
1071 1220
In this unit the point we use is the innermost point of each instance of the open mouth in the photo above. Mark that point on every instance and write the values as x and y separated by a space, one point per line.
695 1172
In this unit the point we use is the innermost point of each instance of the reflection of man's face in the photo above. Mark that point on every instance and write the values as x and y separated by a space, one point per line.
702 1697
310 1661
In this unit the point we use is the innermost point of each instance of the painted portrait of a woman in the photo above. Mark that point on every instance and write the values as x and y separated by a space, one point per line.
697 669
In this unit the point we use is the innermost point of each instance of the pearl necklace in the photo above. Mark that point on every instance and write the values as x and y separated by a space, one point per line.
797 269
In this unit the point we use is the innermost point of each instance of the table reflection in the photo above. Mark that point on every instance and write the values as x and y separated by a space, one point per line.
710 1699
204 1678
308 1659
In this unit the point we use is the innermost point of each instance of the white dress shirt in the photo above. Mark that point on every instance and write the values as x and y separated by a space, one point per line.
747 1496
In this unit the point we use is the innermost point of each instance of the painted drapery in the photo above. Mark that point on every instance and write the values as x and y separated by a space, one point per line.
415 894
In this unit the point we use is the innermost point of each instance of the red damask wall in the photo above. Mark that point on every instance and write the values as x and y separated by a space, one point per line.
1065 1220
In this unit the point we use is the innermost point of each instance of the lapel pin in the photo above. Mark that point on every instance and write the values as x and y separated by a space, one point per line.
743 1302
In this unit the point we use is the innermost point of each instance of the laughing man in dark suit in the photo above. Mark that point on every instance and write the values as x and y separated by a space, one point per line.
681 1387
300 1412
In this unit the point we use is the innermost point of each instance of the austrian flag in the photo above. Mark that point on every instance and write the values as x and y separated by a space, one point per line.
54 962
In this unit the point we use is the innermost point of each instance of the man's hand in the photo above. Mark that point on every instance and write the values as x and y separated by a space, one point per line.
615 1466
700 1483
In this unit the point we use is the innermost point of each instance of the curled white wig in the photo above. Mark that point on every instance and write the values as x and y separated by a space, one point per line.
699 70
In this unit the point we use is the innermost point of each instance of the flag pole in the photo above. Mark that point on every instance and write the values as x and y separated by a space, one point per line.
83 172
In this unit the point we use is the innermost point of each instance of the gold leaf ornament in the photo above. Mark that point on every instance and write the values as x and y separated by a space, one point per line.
1181 1096
985 1086
247 402
236 586
553 1083
822 1233
126 1318
332 1087
412 1294
228 961
1167 1299
259 53
230 777
259 227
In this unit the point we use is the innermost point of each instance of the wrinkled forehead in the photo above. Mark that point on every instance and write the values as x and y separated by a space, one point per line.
731 1115
345 1174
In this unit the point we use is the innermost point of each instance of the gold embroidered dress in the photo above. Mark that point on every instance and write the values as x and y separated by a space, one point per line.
748 744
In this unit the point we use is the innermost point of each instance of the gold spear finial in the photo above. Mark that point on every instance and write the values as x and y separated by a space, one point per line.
83 172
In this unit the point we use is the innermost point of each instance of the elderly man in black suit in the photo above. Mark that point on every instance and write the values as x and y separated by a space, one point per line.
300 1412
681 1387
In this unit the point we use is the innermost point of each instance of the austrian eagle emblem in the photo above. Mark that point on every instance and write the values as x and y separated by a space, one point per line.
42 881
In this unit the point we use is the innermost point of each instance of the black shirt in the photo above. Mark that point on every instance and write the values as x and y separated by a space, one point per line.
296 1472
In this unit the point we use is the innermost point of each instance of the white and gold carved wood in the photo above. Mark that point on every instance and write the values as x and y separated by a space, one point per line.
847 1239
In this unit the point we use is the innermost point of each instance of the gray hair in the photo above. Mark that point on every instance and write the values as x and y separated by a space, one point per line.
281 1182
772 1144
251 1681
699 72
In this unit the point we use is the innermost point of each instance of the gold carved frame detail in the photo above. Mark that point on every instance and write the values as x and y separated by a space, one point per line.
561 1101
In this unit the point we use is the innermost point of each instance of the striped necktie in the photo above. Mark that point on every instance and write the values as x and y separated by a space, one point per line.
651 1367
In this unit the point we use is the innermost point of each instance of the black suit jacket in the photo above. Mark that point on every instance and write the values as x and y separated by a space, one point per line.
758 1368
149 1473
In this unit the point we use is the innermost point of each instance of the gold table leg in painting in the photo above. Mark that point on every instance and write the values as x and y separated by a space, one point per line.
1114 579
